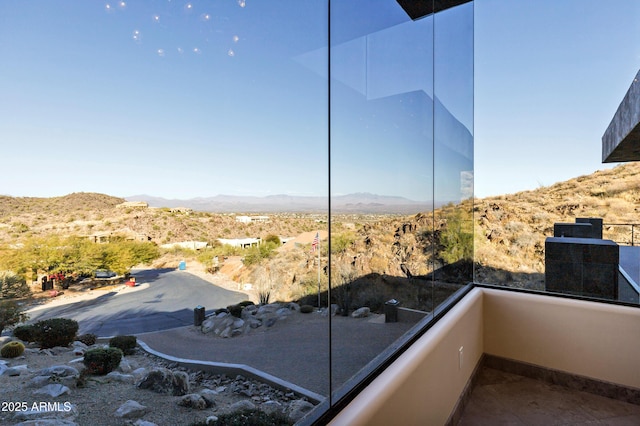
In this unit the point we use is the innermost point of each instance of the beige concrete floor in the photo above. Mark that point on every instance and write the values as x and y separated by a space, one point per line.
501 398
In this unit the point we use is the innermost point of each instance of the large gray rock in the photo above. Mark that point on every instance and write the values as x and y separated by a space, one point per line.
16 370
298 409
48 422
115 376
361 313
131 410
209 395
193 400
141 422
63 374
242 405
53 390
125 366
163 380
59 371
48 410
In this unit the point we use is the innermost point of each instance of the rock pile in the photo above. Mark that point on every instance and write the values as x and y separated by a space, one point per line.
66 391
225 324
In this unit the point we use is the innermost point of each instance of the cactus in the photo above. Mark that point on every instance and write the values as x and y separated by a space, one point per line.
12 349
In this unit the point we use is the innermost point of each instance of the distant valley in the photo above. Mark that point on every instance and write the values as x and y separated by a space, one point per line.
365 203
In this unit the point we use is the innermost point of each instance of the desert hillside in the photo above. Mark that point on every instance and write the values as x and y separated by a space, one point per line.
511 229
505 234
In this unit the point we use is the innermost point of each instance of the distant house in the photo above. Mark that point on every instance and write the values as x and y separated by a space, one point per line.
193 245
184 210
251 219
107 236
241 242
133 205
100 237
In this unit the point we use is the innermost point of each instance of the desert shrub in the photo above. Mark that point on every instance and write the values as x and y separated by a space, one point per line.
235 310
264 296
252 417
306 309
271 238
102 361
88 339
126 344
55 332
12 285
12 350
26 333
11 313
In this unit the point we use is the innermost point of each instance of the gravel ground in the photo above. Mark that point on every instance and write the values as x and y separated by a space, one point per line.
98 400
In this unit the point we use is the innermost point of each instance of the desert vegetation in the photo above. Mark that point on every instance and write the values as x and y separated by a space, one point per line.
497 240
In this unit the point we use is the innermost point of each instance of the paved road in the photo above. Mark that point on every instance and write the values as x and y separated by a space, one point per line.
166 303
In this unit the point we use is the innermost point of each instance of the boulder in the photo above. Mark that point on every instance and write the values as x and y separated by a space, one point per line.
53 390
16 370
124 366
163 380
48 410
115 376
242 405
141 422
131 410
361 312
193 400
209 395
298 409
48 422
59 371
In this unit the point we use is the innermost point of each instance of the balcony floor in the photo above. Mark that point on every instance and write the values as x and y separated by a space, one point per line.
501 398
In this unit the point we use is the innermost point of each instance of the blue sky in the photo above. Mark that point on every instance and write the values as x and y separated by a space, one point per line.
549 75
152 97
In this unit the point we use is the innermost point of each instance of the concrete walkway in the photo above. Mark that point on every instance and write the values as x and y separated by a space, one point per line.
295 350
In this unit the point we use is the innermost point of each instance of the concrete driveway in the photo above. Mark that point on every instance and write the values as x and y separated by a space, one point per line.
164 299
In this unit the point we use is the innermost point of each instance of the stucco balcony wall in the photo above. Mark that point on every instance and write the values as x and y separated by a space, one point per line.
424 385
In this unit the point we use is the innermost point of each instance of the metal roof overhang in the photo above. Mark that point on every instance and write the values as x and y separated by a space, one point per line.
621 140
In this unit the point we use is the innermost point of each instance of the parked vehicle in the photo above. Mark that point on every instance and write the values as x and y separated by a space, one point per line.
104 273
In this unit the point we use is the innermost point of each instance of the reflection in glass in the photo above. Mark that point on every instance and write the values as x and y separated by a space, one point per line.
386 112
453 149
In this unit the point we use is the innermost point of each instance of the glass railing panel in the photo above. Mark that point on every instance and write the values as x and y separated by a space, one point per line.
381 182
453 151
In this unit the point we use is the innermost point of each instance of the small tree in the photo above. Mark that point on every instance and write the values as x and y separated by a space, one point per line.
12 285
11 313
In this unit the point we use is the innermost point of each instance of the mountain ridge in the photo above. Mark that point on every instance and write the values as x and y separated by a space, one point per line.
278 203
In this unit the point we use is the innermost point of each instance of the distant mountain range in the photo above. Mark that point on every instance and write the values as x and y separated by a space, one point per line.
351 203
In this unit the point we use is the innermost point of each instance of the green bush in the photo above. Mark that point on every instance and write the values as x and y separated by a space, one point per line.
306 309
253 417
55 332
127 344
88 339
12 350
102 361
26 333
